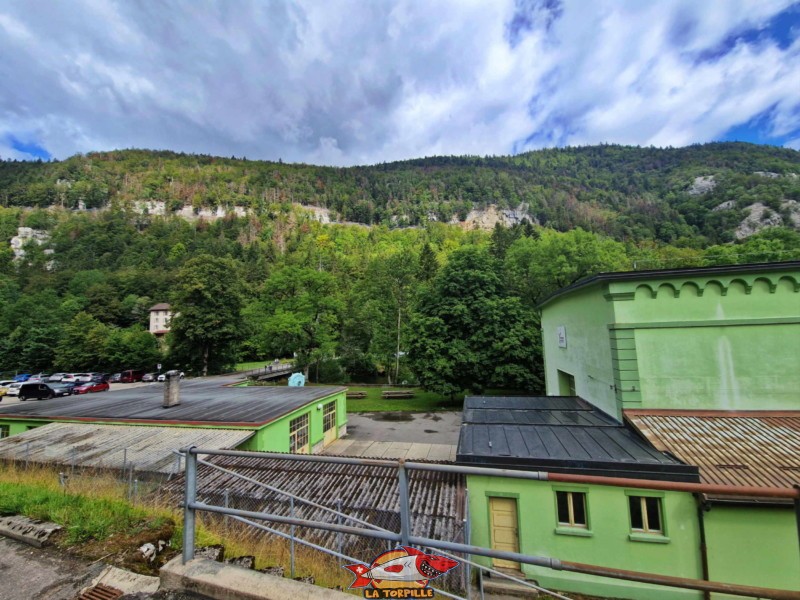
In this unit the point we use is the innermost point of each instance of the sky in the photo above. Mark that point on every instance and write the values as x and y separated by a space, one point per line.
339 82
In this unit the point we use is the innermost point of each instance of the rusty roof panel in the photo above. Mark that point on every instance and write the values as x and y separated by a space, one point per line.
754 448
144 448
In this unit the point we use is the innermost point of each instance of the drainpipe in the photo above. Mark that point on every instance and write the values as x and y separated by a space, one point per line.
797 513
702 507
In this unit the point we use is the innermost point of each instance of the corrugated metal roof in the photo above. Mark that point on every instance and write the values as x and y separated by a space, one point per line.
202 401
559 434
750 448
366 492
145 448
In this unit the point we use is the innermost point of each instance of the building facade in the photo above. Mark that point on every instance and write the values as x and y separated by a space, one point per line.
160 317
720 338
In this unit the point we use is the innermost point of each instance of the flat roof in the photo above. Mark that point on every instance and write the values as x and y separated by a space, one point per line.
204 401
791 265
737 449
563 434
148 449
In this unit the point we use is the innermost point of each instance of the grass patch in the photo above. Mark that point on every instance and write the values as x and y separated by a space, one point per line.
421 402
249 366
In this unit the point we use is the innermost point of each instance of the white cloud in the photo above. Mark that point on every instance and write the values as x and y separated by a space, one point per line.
347 81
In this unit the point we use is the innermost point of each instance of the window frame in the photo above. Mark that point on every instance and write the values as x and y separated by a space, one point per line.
646 534
295 433
5 431
567 528
328 413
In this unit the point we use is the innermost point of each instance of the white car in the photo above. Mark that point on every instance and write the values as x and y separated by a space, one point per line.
83 377
68 378
13 388
56 376
163 376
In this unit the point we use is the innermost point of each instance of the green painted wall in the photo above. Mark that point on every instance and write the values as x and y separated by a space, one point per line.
274 437
587 355
698 342
608 544
753 546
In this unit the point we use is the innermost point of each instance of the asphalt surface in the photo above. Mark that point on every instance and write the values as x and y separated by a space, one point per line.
29 573
423 428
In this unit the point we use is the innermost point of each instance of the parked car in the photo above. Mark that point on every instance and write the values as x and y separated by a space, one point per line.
65 387
40 391
38 377
115 378
22 377
56 377
131 376
163 376
3 390
68 385
150 377
83 377
6 382
13 388
68 378
91 387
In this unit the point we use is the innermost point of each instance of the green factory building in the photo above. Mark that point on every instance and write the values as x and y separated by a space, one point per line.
665 377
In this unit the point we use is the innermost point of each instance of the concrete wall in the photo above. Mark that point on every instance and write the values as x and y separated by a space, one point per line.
607 542
680 342
752 546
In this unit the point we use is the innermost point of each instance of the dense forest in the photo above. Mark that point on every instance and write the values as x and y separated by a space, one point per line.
433 303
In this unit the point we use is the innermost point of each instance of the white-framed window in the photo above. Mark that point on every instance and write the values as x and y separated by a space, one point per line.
329 416
3 431
571 509
298 435
647 515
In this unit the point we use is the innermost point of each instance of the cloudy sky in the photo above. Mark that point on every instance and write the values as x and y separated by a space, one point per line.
358 82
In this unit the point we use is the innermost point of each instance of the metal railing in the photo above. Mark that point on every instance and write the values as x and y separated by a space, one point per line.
405 538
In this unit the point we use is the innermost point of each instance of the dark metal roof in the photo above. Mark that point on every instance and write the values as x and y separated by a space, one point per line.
203 401
161 306
367 492
739 449
559 434
792 265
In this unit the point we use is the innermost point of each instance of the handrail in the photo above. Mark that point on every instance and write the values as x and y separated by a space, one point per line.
404 537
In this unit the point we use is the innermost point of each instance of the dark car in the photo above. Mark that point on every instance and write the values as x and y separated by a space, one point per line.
149 376
40 391
91 387
67 385
115 378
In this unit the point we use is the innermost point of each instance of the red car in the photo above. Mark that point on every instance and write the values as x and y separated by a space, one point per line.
92 386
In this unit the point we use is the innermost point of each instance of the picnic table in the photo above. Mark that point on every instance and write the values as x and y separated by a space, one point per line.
356 395
400 394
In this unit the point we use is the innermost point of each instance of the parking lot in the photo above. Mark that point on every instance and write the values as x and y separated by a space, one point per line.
11 400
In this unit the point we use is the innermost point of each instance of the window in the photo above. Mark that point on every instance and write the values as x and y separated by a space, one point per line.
646 515
566 384
571 508
3 431
298 435
329 416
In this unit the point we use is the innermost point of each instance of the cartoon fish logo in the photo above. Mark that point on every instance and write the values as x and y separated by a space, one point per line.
404 564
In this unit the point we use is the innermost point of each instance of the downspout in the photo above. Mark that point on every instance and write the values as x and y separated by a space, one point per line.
703 507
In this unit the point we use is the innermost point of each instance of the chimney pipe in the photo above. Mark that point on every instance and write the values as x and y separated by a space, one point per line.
172 389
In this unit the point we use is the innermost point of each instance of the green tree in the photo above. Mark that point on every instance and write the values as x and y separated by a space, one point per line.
83 345
469 334
207 304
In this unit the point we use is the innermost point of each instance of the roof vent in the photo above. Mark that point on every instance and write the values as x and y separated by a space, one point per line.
172 389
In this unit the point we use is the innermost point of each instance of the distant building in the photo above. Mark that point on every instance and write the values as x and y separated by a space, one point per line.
160 317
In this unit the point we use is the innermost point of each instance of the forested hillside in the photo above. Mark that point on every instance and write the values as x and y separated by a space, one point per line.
434 303
628 193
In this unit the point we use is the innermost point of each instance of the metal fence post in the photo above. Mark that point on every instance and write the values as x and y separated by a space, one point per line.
189 500
339 522
227 498
468 542
124 461
291 539
135 489
405 516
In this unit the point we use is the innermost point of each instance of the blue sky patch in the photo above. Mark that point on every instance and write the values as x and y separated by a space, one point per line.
30 148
